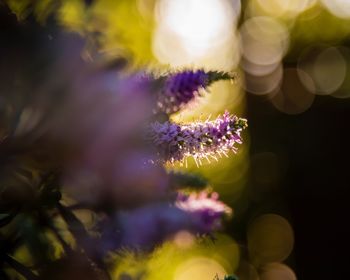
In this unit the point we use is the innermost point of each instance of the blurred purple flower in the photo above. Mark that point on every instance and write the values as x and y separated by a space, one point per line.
103 121
200 140
206 207
146 227
157 222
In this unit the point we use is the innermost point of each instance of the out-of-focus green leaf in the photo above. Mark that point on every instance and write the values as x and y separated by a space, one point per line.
180 180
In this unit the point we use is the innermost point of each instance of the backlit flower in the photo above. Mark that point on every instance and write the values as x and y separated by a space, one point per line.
200 140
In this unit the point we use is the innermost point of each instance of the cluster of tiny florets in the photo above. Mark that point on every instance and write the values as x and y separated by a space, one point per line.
179 89
200 140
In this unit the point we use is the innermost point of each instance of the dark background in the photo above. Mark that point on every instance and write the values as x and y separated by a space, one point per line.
316 183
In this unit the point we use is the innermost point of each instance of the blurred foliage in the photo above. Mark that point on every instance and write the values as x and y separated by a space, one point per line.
112 28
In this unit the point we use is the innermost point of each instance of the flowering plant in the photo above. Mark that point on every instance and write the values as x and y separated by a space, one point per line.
100 146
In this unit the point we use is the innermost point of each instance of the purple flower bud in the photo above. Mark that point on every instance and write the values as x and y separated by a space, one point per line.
200 140
183 87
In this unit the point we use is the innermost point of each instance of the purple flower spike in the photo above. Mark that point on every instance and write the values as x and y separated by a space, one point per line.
205 140
183 87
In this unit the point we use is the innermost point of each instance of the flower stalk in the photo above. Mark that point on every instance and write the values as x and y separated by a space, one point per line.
183 87
200 140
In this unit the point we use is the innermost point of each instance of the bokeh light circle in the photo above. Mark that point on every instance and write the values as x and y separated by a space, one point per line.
327 68
264 40
247 271
285 7
258 69
293 97
262 85
277 271
339 8
344 90
270 239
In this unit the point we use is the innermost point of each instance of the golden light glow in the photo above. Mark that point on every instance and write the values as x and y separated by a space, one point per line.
221 94
190 32
71 14
197 21
289 8
173 262
199 269
184 239
339 8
